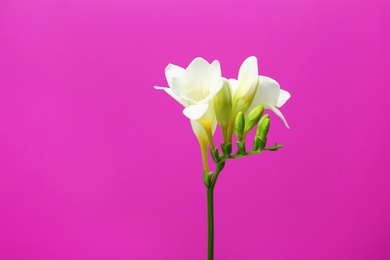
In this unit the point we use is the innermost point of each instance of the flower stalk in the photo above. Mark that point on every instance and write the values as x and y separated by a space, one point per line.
210 221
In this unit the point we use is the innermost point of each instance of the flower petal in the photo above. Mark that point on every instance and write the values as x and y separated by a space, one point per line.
213 91
199 81
180 87
172 94
199 131
176 77
245 95
195 112
279 114
200 72
216 68
233 83
283 97
268 91
173 71
248 69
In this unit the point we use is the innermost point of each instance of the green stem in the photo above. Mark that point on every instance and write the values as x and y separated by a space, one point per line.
210 213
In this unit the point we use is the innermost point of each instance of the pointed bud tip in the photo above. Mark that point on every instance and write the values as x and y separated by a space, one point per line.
263 127
253 118
239 126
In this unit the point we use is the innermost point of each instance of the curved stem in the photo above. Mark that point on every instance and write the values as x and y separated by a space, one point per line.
210 210
210 213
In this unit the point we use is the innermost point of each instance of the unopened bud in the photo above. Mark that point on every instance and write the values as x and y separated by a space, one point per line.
263 127
223 105
239 126
253 118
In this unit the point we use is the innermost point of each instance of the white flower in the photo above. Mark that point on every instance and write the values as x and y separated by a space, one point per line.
195 88
268 92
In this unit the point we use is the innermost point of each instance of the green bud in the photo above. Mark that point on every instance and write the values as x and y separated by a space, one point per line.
253 118
223 105
239 126
263 127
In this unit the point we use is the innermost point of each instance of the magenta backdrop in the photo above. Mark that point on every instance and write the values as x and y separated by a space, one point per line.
96 164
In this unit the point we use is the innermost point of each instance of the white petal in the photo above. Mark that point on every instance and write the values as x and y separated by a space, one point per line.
199 131
233 83
187 91
202 80
208 116
268 91
213 91
200 71
283 97
248 69
180 86
245 95
173 71
279 114
172 94
195 112
216 68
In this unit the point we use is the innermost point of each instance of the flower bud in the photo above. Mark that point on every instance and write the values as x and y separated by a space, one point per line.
261 133
223 108
239 126
244 95
223 105
263 127
253 118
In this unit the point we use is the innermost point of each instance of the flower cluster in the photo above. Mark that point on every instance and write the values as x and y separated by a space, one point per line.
236 105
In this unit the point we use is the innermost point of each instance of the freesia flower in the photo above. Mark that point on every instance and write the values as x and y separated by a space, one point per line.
237 106
268 92
195 88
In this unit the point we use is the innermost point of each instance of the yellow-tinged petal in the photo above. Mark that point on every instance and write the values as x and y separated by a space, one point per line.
244 95
248 69
195 112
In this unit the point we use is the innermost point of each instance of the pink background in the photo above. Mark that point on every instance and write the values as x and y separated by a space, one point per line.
96 164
